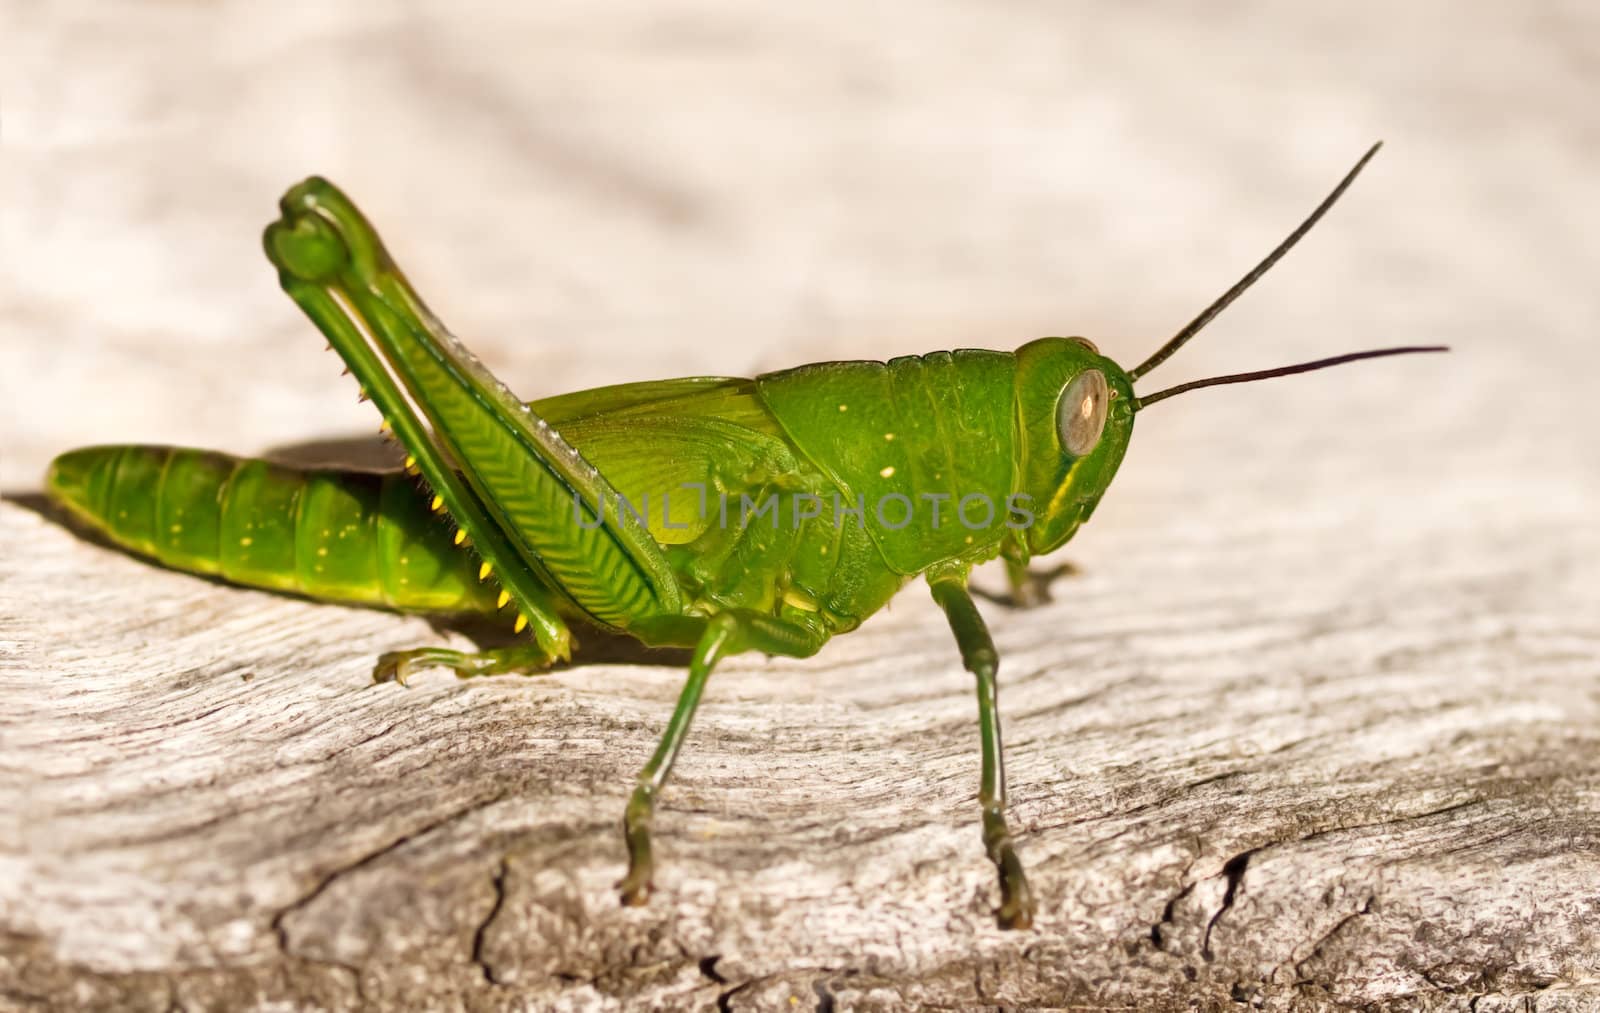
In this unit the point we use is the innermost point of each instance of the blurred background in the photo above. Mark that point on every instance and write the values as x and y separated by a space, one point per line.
591 194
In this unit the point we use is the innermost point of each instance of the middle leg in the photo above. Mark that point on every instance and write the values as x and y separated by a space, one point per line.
978 653
725 634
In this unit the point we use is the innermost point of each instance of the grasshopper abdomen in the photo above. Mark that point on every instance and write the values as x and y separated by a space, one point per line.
363 537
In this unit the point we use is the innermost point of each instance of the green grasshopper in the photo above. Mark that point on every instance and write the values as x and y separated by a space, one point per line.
787 508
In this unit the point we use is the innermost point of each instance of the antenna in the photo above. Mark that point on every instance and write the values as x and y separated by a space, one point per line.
1267 374
1198 323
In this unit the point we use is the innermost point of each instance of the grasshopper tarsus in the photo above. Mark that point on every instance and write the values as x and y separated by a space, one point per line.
635 887
634 891
1016 897
528 659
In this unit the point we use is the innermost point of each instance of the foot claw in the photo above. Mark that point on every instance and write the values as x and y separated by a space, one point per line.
1032 594
1016 902
1015 918
636 885
634 894
1032 589
1016 899
392 666
397 666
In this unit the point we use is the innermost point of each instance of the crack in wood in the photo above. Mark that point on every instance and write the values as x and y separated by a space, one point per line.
480 935
280 929
1234 869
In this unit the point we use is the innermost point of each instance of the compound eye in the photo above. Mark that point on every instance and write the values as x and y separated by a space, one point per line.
1081 414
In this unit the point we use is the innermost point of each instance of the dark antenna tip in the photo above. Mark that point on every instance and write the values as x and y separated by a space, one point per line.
1194 326
1267 374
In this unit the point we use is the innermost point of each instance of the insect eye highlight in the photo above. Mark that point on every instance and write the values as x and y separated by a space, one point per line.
1081 413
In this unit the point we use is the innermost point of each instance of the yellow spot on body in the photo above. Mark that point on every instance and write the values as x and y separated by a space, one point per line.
844 407
484 570
461 536
522 624
405 560
246 541
405 580
176 528
969 539
500 602
887 472
888 437
323 551
437 504
411 462
824 550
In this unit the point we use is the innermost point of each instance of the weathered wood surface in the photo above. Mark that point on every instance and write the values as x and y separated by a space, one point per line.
1317 726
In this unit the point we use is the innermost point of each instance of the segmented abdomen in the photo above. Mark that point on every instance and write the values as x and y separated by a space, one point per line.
351 536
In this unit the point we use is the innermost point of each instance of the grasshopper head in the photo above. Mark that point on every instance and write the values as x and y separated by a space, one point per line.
1076 407
1075 415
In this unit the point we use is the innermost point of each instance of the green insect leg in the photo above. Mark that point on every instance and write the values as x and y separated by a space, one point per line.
978 654
727 633
535 603
397 666
509 480
1029 587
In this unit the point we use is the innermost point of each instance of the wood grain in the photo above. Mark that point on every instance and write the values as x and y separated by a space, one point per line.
1315 726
